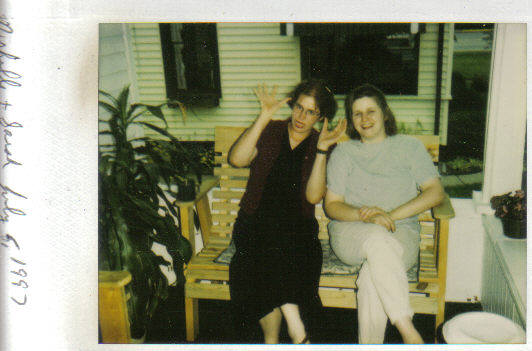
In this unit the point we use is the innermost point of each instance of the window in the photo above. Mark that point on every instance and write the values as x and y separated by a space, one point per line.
349 54
190 58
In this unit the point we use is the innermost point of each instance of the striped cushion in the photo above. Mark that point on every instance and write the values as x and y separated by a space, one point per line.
331 263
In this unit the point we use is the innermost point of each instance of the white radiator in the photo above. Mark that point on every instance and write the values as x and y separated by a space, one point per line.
504 274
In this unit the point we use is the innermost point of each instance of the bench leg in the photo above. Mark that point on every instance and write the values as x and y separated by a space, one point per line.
192 318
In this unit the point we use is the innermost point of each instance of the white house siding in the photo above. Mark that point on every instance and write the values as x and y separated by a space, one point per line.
251 53
115 67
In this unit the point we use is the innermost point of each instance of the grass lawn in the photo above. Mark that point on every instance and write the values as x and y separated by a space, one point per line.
471 64
462 191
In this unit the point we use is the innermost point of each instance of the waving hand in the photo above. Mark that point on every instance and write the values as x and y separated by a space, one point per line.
268 102
329 137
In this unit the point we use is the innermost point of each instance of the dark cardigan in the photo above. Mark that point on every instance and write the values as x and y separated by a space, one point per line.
268 147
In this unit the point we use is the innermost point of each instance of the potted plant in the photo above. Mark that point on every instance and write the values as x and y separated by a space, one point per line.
134 211
177 165
511 209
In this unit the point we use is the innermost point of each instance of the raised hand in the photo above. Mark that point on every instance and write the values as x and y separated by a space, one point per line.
268 102
329 137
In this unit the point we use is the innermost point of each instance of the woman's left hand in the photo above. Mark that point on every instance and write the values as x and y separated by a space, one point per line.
327 137
385 220
366 212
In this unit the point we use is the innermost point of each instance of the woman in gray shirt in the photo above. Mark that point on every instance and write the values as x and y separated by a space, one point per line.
377 184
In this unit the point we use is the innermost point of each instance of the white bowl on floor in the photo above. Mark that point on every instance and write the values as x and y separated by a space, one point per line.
482 328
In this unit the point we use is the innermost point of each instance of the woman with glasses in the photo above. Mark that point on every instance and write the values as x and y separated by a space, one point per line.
276 269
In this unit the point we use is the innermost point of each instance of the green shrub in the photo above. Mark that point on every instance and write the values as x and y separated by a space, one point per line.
463 165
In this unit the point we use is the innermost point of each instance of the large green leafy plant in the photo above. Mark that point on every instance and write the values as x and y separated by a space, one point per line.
134 211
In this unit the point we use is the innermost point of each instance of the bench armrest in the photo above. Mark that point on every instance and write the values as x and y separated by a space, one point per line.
201 203
444 210
206 185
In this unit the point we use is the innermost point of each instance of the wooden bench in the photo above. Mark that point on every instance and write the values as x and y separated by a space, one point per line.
206 279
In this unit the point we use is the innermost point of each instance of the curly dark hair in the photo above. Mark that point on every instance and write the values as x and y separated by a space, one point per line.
324 97
368 90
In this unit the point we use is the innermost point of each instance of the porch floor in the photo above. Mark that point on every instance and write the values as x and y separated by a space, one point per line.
335 325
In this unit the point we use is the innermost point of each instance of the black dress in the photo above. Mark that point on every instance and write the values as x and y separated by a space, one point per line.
278 255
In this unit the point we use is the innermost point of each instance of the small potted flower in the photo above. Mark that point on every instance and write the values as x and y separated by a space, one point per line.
511 209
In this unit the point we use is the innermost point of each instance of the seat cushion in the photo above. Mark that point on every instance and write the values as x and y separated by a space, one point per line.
226 255
331 263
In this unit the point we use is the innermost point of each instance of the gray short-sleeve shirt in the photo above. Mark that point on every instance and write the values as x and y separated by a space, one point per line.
386 174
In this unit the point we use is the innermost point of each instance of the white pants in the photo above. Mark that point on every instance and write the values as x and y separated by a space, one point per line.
382 281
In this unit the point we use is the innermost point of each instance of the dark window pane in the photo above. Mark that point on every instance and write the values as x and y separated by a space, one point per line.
190 57
347 55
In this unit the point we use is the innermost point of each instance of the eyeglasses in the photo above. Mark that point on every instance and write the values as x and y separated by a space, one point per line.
308 113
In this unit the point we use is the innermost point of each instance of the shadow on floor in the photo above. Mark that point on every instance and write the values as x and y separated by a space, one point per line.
332 326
